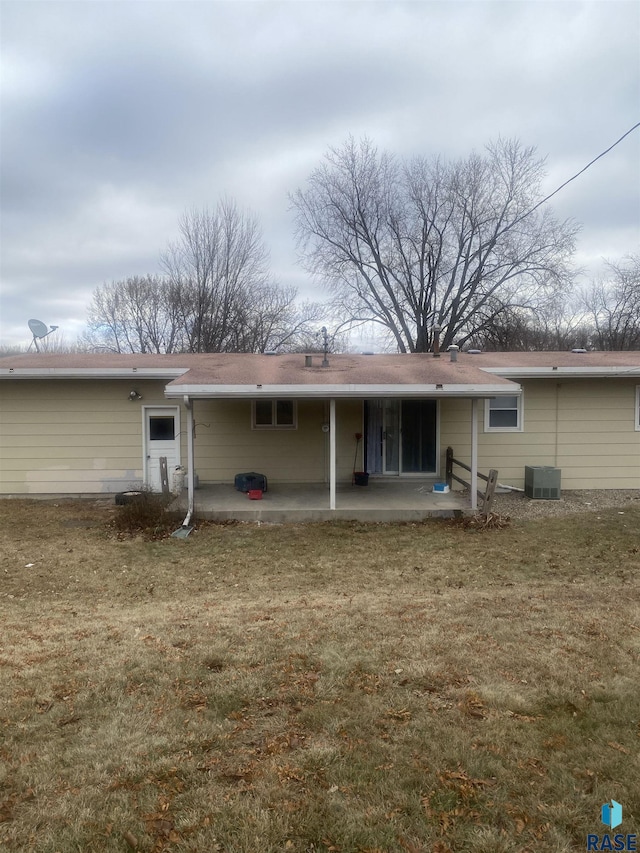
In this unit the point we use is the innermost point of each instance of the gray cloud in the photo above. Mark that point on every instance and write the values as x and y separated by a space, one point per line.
118 116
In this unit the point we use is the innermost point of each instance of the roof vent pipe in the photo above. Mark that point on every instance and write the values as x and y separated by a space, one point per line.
453 352
308 361
325 346
436 341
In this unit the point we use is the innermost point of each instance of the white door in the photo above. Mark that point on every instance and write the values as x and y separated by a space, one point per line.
162 438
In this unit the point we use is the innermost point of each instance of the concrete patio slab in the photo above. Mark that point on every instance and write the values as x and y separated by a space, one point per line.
381 500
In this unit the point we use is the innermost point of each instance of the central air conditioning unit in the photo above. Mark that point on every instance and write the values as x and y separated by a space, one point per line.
542 483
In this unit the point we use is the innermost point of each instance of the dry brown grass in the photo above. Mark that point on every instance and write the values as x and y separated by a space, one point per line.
335 687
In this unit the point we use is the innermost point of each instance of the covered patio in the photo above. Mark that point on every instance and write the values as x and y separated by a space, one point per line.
295 421
382 500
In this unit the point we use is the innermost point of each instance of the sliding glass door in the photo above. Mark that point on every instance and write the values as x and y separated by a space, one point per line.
419 436
401 436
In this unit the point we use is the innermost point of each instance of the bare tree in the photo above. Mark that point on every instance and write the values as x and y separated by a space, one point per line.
557 324
215 296
137 314
51 344
423 243
613 305
275 321
218 272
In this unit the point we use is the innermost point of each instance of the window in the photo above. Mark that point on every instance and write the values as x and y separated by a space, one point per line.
162 428
274 414
503 414
638 407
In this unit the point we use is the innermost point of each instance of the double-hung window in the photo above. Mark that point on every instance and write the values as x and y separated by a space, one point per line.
274 414
503 414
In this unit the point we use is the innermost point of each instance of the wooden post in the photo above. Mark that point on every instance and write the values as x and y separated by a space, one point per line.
164 476
448 470
489 493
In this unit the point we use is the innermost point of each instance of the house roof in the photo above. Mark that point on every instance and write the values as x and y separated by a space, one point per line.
249 375
522 365
345 376
93 365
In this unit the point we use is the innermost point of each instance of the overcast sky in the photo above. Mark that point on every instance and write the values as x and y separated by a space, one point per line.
118 116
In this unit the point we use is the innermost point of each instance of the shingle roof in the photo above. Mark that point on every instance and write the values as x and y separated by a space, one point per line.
556 359
227 369
343 369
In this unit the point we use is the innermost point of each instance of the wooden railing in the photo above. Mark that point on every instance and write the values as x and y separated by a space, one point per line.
486 496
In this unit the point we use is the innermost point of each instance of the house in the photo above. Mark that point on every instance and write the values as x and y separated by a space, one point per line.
88 424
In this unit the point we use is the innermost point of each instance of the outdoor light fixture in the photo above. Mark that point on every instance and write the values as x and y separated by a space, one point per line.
133 396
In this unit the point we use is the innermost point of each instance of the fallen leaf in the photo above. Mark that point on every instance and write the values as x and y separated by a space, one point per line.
618 746
131 840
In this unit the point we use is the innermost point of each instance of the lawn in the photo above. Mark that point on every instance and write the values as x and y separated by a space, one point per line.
331 687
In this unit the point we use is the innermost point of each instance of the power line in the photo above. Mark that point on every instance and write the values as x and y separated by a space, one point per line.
584 169
562 186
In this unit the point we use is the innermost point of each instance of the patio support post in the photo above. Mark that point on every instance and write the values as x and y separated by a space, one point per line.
191 476
332 454
474 454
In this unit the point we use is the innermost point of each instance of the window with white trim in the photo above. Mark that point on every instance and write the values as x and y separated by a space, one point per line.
503 414
274 414
638 407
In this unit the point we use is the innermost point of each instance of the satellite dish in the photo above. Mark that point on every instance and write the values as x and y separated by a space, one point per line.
39 330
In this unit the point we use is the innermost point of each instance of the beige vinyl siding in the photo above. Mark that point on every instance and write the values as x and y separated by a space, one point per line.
226 444
584 427
597 440
61 436
73 436
349 415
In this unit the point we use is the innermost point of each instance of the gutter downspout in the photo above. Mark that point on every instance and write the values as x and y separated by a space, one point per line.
191 477
332 454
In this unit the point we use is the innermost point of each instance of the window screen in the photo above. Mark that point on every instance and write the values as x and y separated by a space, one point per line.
162 428
274 414
504 413
284 412
263 413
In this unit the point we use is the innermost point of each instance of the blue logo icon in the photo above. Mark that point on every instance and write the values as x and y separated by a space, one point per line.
612 814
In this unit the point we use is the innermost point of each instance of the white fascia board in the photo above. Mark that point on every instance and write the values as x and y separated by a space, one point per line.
550 372
346 391
93 372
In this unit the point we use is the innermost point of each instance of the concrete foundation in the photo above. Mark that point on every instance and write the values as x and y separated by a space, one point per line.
381 500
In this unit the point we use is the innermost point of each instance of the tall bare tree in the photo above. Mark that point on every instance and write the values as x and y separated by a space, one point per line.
613 306
410 245
218 271
215 296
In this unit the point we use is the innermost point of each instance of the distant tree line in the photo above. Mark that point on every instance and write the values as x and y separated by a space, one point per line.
604 316
403 246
